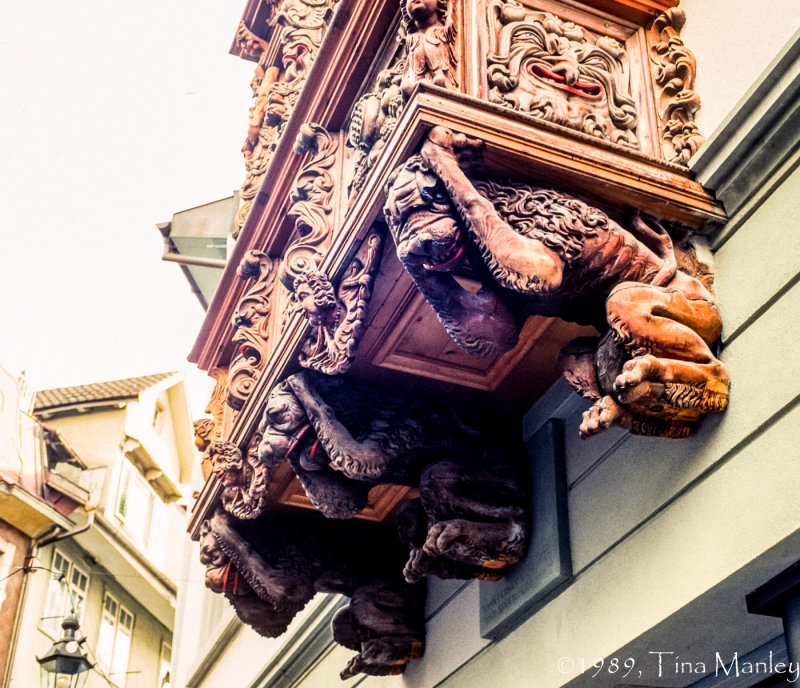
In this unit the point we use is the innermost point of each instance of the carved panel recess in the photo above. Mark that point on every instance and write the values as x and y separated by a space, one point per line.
277 84
429 53
252 327
674 68
560 72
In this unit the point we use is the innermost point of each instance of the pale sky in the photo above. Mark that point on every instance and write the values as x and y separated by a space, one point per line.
113 116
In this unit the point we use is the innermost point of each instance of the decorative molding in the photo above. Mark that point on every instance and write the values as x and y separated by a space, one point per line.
674 69
301 28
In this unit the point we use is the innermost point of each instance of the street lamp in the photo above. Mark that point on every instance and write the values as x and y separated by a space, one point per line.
65 664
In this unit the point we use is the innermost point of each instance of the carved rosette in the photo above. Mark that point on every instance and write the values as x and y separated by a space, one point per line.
312 204
252 321
560 72
337 319
276 89
674 69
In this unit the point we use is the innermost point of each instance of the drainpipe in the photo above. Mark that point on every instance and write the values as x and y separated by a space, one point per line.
48 538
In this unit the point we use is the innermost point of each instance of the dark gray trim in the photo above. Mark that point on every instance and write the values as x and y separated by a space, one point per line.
758 144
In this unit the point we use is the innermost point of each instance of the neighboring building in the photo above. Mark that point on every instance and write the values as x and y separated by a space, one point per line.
119 454
653 562
198 240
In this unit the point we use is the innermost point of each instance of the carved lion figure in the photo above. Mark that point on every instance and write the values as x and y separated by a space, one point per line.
540 251
342 438
269 569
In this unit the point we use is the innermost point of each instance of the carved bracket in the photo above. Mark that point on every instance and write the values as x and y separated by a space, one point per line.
342 438
653 370
269 569
674 69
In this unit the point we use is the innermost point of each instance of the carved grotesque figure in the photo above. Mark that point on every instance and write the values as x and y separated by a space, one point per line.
543 252
244 481
560 72
430 34
336 316
269 569
343 438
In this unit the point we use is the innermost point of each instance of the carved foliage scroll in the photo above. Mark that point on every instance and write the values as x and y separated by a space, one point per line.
277 85
252 323
312 204
560 72
674 70
337 318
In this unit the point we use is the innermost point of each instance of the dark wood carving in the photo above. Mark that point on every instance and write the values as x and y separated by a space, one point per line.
312 204
337 317
204 435
252 322
674 70
540 251
343 438
560 72
270 568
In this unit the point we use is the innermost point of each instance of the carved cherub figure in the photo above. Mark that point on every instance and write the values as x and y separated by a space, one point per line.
430 34
544 252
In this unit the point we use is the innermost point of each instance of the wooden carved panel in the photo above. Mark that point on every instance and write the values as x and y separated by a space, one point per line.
560 72
674 70
279 78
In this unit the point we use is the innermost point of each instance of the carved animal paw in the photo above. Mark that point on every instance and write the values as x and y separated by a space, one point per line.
641 376
602 415
365 466
418 566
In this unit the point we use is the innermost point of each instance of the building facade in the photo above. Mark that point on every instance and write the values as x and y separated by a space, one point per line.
447 205
109 462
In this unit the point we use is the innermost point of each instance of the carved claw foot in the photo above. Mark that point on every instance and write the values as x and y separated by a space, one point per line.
602 415
385 656
418 566
490 546
638 370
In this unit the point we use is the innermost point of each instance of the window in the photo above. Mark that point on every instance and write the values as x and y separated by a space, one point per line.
135 503
66 593
114 640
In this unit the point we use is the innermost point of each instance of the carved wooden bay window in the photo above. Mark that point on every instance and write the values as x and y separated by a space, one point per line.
448 204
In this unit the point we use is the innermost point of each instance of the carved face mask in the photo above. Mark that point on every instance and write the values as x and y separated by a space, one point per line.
422 219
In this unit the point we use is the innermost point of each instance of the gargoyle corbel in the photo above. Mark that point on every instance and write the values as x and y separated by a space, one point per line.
540 251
